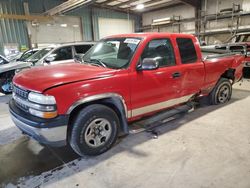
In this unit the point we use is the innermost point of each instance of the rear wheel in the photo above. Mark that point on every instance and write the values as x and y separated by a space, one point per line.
94 130
221 93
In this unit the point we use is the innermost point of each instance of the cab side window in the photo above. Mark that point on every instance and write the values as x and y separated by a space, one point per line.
187 50
161 50
63 53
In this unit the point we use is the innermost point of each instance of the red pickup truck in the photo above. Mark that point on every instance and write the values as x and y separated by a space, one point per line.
121 79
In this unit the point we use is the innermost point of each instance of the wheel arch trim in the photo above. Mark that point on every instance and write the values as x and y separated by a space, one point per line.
99 97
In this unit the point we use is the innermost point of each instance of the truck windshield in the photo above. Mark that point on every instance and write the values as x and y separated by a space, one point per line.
114 53
38 55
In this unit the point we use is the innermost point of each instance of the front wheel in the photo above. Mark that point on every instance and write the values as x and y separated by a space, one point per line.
221 93
94 130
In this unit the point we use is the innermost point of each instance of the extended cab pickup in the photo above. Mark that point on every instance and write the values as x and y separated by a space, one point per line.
121 79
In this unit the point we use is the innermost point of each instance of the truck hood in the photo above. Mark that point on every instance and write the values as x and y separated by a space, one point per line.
40 79
13 66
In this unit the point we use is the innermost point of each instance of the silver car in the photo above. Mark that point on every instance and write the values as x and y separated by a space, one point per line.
63 53
3 60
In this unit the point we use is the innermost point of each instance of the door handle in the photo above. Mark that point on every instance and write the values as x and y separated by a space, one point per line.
176 75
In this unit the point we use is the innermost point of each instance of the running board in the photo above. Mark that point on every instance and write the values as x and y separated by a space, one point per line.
163 117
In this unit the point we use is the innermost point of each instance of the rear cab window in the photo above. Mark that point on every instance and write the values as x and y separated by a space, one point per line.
187 50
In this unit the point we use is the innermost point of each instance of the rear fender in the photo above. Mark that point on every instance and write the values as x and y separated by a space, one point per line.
230 74
238 65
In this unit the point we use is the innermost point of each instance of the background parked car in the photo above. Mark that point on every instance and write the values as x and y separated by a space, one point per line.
25 55
3 60
14 56
63 53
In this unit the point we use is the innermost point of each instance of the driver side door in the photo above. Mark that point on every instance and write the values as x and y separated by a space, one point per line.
153 90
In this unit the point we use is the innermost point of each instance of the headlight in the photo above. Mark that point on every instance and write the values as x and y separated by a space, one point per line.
41 99
43 106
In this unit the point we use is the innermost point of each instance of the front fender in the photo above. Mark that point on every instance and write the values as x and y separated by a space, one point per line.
112 100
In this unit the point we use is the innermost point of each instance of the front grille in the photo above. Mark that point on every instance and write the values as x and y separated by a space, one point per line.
22 106
20 92
22 95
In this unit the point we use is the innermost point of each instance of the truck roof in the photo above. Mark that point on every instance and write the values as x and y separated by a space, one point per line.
149 35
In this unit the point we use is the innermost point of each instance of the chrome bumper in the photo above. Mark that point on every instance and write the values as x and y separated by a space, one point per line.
55 136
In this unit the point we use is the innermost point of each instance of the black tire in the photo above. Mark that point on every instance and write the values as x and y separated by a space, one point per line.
6 78
84 128
221 93
4 92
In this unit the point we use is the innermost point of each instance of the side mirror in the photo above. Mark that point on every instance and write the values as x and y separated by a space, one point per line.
148 64
50 58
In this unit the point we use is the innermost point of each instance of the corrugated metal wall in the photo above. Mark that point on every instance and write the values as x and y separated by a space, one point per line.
85 14
105 13
12 31
40 6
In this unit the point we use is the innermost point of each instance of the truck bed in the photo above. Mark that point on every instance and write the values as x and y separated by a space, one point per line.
215 53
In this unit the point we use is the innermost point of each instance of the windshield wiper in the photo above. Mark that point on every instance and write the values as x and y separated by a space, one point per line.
99 62
85 62
94 62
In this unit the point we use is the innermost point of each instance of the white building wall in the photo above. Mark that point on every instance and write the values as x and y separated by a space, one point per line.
246 5
58 30
111 26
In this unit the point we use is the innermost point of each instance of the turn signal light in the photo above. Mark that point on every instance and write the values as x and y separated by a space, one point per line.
46 115
49 115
